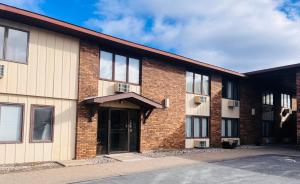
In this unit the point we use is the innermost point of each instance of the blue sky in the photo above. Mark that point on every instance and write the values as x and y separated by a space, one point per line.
241 35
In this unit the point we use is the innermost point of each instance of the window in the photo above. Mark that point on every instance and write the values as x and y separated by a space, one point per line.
267 128
196 127
13 45
119 68
196 83
42 123
230 90
11 121
230 128
268 98
286 101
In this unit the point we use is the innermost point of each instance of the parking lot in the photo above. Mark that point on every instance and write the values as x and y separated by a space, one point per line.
253 169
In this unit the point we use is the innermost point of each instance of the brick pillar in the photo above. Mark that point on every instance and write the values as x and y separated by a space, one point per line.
298 105
216 114
86 132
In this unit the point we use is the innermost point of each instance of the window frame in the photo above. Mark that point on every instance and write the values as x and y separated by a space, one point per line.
22 105
226 127
200 127
114 68
6 28
235 83
32 108
193 85
270 99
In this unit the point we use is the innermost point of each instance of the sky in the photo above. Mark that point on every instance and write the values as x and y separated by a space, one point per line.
239 35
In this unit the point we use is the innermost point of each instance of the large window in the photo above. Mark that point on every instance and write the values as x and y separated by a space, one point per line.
286 101
268 98
11 121
119 68
13 45
230 127
230 90
42 123
196 83
196 127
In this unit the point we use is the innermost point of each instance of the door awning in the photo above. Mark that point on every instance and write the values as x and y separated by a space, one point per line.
130 97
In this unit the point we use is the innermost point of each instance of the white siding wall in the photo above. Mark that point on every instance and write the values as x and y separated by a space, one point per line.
106 88
196 109
49 78
228 112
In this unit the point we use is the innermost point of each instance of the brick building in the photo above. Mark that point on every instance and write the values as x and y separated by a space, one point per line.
67 92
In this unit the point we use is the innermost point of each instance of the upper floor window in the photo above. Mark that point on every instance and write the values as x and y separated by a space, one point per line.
197 83
286 101
119 68
268 98
13 45
230 90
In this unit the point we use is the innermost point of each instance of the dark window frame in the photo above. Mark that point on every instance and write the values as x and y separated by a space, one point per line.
271 98
6 28
21 121
200 127
226 127
127 67
32 110
235 89
193 85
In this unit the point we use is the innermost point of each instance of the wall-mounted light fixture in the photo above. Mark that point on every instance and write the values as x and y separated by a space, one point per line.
167 103
253 112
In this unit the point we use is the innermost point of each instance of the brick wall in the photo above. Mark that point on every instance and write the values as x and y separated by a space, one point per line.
298 105
250 126
216 114
86 132
165 128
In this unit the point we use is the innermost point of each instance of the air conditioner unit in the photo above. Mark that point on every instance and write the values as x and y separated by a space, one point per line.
200 99
233 103
200 144
122 88
1 71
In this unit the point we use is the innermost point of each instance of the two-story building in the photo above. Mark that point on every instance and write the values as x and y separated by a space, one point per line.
67 92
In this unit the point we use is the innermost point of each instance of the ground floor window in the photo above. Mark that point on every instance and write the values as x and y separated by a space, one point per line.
267 127
230 127
196 127
11 121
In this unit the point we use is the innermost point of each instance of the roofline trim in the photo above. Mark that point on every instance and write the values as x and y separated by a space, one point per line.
90 32
286 67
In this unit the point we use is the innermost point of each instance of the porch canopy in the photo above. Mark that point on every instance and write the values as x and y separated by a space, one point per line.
146 104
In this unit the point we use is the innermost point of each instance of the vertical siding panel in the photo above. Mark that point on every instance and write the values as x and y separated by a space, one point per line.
12 72
48 146
30 147
64 134
32 67
72 135
3 98
39 147
65 82
50 65
3 81
22 79
74 69
57 131
58 66
41 64
20 148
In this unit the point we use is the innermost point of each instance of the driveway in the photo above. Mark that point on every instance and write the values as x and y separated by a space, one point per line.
275 169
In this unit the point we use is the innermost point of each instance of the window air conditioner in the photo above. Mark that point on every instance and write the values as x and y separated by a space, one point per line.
122 88
200 99
200 144
1 71
233 103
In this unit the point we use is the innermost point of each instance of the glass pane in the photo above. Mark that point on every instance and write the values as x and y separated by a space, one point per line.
271 99
204 127
229 90
2 30
205 85
229 128
196 127
120 68
10 123
197 84
188 127
106 65
234 128
223 128
281 100
42 124
288 101
189 82
134 71
16 46
264 99
268 99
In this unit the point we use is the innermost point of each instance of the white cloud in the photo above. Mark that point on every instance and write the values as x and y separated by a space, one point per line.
31 5
241 35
